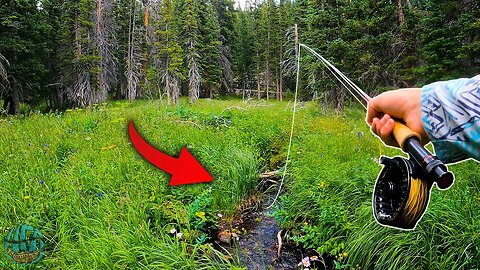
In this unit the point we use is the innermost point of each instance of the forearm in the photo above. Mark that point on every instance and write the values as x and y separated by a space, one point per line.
451 118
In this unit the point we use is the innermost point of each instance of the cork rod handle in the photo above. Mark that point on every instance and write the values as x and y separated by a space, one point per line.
402 133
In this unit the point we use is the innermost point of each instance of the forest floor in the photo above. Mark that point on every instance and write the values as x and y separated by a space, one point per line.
75 177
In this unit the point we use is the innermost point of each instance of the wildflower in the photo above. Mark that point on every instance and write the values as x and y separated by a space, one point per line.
100 194
322 185
26 197
305 262
41 182
46 145
88 138
173 230
314 258
108 147
58 170
360 135
219 215
179 235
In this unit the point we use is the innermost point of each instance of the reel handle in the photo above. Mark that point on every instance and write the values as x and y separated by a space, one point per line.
433 167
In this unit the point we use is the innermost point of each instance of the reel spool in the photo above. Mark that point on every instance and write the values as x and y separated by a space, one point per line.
401 196
402 190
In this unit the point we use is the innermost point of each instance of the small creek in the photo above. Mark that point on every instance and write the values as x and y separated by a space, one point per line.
258 247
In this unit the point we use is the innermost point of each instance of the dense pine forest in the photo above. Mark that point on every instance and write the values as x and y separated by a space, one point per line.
65 53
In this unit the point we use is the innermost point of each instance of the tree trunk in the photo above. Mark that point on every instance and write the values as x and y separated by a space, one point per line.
16 98
277 84
401 15
267 77
258 77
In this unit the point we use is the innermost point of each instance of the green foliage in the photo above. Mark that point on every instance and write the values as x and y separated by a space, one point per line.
210 49
328 204
102 205
23 42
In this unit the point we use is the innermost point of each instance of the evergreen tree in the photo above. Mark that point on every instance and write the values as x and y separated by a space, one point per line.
211 71
105 42
79 56
23 45
131 35
450 40
244 50
226 20
169 52
191 38
53 8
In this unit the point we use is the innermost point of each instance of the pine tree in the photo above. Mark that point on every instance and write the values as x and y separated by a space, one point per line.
257 26
191 38
169 57
79 56
211 72
226 20
24 48
130 22
105 43
244 50
449 44
53 8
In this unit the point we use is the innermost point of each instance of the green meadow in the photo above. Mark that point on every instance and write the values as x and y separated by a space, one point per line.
75 176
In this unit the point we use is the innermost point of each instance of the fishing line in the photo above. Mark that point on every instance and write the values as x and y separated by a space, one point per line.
291 131
400 196
339 76
342 78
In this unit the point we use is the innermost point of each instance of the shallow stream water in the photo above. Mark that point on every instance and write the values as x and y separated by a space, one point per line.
258 247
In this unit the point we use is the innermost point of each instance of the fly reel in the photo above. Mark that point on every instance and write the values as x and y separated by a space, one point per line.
401 193
402 190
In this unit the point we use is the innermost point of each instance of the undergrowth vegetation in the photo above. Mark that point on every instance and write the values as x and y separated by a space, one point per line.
328 203
75 176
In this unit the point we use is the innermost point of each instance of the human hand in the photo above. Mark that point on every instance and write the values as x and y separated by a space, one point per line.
403 105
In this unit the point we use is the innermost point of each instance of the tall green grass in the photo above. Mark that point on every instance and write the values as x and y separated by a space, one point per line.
328 203
75 176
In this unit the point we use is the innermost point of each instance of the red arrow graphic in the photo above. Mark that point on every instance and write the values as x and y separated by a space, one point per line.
184 170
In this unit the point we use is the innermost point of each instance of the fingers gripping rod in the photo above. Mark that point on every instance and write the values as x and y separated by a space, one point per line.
408 140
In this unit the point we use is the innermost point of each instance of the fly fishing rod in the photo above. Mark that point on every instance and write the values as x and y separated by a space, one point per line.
402 189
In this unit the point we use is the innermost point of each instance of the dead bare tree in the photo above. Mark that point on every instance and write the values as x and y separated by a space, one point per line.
193 72
133 69
226 64
3 73
79 90
105 44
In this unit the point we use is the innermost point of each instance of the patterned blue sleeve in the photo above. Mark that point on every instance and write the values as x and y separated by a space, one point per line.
451 118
